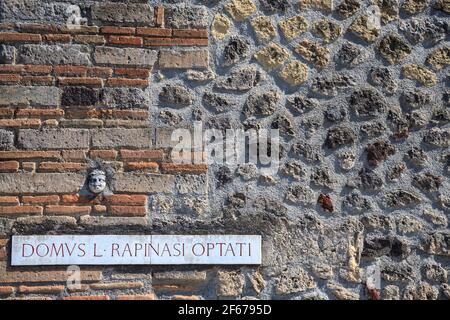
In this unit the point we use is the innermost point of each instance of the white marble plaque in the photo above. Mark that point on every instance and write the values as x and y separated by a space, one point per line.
135 250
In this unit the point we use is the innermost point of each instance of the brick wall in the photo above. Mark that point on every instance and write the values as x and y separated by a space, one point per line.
363 111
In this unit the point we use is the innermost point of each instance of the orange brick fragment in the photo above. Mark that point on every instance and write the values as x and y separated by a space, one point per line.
184 168
9 166
19 37
67 210
150 166
52 199
126 200
20 210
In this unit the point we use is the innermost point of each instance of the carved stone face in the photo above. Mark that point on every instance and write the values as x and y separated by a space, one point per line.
97 181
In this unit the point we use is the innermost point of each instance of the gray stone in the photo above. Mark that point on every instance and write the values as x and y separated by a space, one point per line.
384 77
6 140
384 246
322 177
298 194
369 180
242 79
270 205
401 198
29 96
395 171
217 102
170 118
301 104
108 13
61 54
397 272
437 242
143 183
373 129
7 54
29 11
236 49
427 182
108 222
351 55
415 98
294 280
125 56
438 137
121 137
41 183
273 6
417 156
379 151
348 8
124 98
80 96
435 272
427 30
32 139
285 124
262 104
306 151
331 85
176 95
356 203
340 136
368 102
335 113
186 16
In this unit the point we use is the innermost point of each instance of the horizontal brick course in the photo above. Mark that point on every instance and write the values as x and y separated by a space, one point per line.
41 289
127 200
183 168
61 166
127 154
53 199
9 200
9 166
147 166
30 155
12 211
67 210
128 211
117 286
19 37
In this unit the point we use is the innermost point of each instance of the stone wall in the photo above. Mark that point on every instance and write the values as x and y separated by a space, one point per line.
363 110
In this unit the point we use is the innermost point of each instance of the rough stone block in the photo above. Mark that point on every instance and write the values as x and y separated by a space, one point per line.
29 96
31 139
40 183
121 137
143 183
125 56
186 16
109 13
61 54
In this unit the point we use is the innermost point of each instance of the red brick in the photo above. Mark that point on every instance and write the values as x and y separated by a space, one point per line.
57 37
125 40
19 37
184 168
9 200
49 274
30 155
52 199
20 210
39 80
154 32
38 28
33 123
9 78
77 199
126 200
126 154
118 30
9 166
173 42
148 166
70 70
130 114
82 81
190 33
103 154
61 166
44 113
159 16
123 82
99 209
6 113
8 25
80 30
127 211
89 39
117 286
37 69
41 289
149 296
132 72
100 71
103 297
67 210
6 291
11 68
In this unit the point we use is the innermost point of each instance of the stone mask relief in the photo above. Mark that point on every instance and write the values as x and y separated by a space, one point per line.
98 180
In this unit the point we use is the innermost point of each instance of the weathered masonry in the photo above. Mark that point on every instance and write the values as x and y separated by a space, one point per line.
91 91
